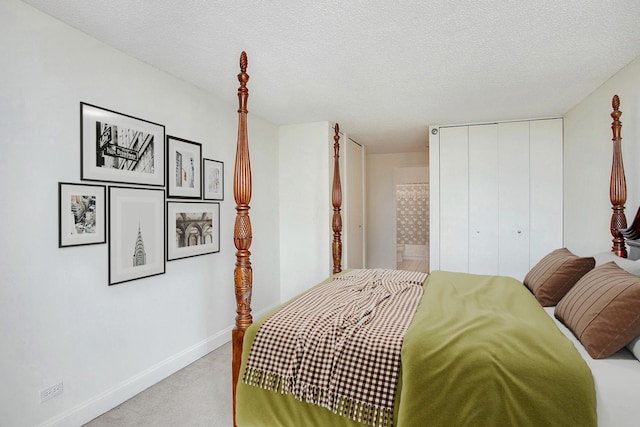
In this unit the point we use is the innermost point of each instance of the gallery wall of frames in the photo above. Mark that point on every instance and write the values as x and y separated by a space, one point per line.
148 195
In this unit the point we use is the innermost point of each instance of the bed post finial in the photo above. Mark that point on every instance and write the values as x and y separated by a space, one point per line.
617 184
242 235
243 62
243 93
336 198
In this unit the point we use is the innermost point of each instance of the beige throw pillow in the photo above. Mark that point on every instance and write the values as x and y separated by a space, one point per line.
552 277
603 309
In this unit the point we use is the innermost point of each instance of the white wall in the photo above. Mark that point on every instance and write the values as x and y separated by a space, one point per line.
380 207
411 175
59 321
587 161
305 200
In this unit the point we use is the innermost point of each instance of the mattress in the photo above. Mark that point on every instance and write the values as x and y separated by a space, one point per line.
617 382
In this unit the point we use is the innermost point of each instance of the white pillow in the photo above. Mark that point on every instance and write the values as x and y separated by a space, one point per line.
631 266
634 346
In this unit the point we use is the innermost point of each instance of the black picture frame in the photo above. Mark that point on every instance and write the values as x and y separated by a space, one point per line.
193 229
136 233
120 148
184 168
212 179
82 210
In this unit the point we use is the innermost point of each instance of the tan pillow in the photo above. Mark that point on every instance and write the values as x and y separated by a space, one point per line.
603 309
552 277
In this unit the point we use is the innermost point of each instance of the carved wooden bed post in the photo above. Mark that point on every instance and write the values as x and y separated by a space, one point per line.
242 230
618 184
336 198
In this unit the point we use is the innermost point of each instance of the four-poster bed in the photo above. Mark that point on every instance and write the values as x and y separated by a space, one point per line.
243 274
475 350
617 184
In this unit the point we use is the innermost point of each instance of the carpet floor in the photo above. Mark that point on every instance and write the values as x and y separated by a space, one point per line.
198 395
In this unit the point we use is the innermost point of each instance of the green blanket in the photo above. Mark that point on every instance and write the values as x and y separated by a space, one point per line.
480 352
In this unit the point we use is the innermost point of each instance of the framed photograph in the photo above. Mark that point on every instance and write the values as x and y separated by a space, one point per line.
115 147
136 233
183 163
193 228
212 179
81 214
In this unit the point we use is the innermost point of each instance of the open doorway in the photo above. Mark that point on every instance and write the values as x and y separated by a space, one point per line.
412 219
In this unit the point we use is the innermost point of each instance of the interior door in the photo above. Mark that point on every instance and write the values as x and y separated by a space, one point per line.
454 198
483 199
355 208
513 205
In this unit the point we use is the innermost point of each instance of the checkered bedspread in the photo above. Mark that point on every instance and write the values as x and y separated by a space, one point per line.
338 345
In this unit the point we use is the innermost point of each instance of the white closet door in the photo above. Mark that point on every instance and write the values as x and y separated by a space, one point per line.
513 206
483 199
454 199
546 187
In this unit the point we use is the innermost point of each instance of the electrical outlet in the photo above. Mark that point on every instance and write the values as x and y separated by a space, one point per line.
51 392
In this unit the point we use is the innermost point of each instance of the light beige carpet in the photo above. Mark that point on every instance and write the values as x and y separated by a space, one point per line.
198 395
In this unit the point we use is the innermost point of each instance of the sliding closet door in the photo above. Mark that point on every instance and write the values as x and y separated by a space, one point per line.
483 199
513 204
546 187
454 199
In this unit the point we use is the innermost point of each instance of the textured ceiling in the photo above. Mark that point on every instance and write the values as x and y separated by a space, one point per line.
384 69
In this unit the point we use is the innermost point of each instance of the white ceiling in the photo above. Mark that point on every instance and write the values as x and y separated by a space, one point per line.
384 69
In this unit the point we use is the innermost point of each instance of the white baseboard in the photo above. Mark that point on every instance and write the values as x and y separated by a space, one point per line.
119 393
109 399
